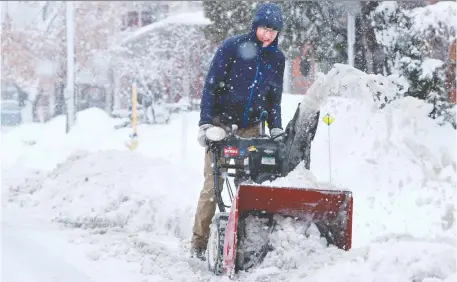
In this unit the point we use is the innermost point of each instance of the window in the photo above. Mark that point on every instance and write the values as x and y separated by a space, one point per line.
147 17
132 19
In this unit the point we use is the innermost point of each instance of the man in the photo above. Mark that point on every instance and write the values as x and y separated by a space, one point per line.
245 78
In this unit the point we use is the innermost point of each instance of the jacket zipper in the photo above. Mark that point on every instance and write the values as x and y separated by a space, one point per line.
254 83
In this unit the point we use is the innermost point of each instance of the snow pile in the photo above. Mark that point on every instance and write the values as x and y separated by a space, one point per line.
300 177
99 191
43 145
395 260
290 241
126 207
299 253
19 183
254 241
278 242
346 81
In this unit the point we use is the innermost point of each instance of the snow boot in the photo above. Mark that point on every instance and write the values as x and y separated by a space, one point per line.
198 253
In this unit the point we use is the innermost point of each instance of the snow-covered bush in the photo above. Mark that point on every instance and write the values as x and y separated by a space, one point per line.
416 45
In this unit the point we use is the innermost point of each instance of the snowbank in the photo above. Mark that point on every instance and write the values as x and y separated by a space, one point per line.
99 191
88 178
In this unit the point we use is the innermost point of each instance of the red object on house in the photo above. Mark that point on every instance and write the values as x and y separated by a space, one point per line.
301 83
132 19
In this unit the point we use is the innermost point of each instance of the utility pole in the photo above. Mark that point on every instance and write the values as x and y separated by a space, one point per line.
351 33
4 11
185 97
351 38
4 15
70 89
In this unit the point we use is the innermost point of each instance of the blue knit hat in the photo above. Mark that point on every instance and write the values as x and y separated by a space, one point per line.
268 15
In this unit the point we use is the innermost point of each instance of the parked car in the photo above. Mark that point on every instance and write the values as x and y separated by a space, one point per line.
11 113
13 100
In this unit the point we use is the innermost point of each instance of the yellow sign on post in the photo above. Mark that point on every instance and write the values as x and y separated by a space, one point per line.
328 119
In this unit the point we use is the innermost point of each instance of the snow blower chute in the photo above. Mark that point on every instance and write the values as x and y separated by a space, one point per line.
254 161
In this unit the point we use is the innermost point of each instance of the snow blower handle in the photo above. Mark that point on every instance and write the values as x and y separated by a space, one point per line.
263 119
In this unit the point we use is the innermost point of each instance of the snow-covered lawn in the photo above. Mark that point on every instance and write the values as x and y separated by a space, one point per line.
104 213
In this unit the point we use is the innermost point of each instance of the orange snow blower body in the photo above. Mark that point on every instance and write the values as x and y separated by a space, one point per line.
330 210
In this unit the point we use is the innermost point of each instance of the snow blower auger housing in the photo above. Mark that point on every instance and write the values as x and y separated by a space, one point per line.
256 160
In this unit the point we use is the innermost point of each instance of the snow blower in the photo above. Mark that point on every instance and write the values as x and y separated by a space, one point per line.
254 161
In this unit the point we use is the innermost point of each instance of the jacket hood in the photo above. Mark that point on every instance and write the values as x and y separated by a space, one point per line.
269 15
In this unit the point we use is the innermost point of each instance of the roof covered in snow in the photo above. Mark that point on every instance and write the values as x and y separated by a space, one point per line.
182 18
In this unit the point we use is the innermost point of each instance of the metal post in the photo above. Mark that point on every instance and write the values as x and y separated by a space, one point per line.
134 109
70 89
4 11
4 15
329 157
186 95
351 37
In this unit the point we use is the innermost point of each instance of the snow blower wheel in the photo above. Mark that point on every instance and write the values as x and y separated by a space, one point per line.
216 243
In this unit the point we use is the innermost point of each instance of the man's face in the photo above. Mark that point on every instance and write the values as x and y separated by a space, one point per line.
266 35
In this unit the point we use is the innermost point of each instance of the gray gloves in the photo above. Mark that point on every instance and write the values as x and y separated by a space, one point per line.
201 134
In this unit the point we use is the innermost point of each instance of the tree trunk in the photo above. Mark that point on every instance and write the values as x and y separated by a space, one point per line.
373 52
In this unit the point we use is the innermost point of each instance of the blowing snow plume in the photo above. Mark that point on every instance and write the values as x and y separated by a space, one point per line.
342 81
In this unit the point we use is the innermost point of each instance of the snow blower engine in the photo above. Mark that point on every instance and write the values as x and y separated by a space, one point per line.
255 161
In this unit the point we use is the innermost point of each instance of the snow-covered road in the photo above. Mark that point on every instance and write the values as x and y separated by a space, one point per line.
35 250
25 259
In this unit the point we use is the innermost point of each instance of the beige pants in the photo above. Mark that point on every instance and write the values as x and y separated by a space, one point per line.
207 201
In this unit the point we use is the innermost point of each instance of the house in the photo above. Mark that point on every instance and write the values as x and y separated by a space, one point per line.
30 54
143 13
160 60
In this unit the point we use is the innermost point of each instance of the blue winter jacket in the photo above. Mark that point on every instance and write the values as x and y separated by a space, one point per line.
244 78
